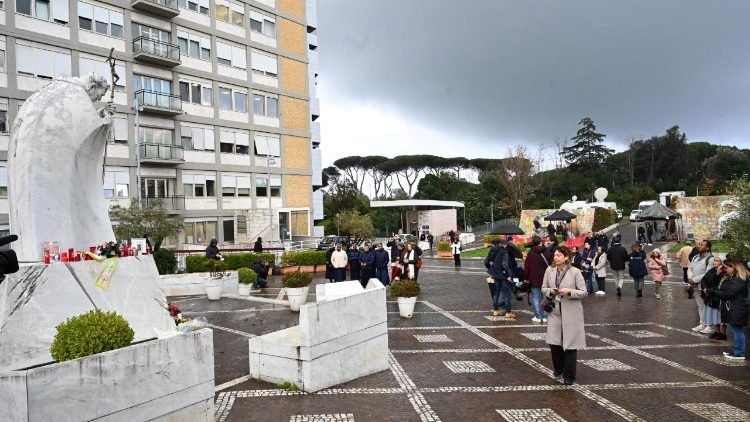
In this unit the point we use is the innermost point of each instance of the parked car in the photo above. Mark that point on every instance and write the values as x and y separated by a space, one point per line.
328 240
634 214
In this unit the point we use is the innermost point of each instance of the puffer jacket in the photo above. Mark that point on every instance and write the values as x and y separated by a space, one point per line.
656 266
733 293
637 265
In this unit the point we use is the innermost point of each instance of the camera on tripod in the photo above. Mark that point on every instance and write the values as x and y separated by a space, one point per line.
8 258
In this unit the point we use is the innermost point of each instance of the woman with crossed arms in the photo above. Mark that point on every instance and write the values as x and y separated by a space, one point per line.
565 287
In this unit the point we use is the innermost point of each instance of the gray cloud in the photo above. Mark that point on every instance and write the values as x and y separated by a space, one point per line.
504 72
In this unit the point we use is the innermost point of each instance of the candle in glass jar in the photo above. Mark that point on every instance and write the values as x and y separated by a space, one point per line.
64 257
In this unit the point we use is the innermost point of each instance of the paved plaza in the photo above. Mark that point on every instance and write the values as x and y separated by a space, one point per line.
453 361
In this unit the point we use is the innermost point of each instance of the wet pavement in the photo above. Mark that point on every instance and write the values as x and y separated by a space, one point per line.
454 362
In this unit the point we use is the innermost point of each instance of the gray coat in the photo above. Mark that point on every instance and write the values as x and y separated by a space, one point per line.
565 323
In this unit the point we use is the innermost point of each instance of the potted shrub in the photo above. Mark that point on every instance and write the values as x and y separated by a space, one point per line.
444 249
297 284
215 282
247 279
90 333
405 292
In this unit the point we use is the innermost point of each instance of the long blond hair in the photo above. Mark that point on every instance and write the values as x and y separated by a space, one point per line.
740 270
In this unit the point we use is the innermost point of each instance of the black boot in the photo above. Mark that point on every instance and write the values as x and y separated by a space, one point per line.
619 292
640 293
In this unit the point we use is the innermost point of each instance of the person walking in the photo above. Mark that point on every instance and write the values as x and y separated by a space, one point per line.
641 234
499 271
637 268
338 262
456 251
587 259
382 259
712 316
650 233
534 267
258 246
430 239
657 265
367 264
699 265
564 286
683 256
617 257
733 304
354 265
410 261
600 269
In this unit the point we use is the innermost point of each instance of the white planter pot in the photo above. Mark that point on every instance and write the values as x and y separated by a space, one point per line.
213 288
406 306
245 289
297 297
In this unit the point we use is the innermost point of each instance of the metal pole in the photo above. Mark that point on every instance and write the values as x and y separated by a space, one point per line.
138 152
465 226
268 191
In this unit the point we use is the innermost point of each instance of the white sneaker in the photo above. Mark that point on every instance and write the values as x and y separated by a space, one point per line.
707 330
544 320
658 296
535 319
698 328
599 293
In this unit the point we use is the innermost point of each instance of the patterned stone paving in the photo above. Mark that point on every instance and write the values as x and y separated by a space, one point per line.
455 361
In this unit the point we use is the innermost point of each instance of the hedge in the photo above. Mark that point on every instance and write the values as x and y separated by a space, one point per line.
444 247
603 218
289 259
234 261
90 333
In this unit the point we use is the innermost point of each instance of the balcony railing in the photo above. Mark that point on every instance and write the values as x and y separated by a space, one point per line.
150 151
161 52
167 202
159 102
166 8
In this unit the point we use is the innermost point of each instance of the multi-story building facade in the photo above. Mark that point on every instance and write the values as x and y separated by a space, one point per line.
216 101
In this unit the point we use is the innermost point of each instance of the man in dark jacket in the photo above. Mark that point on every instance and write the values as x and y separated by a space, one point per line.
367 262
650 233
261 269
617 257
637 268
602 239
641 234
212 251
354 265
499 271
551 231
393 244
329 265
382 260
533 273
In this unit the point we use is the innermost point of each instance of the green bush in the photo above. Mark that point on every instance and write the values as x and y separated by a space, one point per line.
296 279
247 276
90 333
603 218
405 288
290 259
166 261
488 238
444 247
197 264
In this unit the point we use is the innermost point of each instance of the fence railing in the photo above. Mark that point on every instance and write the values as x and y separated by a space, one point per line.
171 4
162 152
167 202
156 47
158 99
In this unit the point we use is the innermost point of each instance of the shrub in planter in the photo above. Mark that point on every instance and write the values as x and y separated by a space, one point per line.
166 261
405 288
296 279
90 333
303 258
246 276
197 264
236 261
444 247
488 238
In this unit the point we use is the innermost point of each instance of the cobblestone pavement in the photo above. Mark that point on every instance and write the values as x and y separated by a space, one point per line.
450 362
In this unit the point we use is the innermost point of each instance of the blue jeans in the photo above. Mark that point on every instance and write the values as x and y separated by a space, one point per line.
495 292
590 282
507 294
261 282
536 302
738 331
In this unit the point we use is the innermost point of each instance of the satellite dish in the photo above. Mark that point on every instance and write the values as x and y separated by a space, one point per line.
575 198
600 194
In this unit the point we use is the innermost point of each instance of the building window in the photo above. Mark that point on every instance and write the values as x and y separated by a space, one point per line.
230 55
116 182
234 142
195 46
140 30
2 56
275 186
100 66
196 93
149 83
100 20
230 12
262 186
200 232
200 6
41 63
196 185
263 24
197 138
3 115
121 130
263 64
152 135
265 105
48 10
232 185
233 99
3 181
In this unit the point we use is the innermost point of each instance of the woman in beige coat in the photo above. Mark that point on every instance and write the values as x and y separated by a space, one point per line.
565 286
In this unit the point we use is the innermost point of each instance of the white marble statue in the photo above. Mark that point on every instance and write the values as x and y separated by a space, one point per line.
55 160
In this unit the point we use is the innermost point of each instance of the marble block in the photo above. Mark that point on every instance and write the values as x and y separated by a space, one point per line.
317 353
192 284
328 291
33 302
158 379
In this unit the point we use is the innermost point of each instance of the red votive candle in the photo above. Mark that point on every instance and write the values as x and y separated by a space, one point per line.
71 253
64 257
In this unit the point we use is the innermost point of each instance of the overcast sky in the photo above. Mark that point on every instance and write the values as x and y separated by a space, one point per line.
472 78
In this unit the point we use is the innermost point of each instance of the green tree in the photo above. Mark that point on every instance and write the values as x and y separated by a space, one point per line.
352 223
738 228
588 152
152 221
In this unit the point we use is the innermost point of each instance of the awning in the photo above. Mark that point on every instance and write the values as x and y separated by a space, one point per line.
560 215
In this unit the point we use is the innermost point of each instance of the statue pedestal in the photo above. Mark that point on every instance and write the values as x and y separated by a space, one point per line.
38 297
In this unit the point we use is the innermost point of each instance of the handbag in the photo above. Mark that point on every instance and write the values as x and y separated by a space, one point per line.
418 264
665 270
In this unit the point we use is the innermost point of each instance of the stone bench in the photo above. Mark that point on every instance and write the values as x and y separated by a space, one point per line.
341 337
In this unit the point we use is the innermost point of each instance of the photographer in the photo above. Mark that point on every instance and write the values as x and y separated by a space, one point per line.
564 287
212 251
